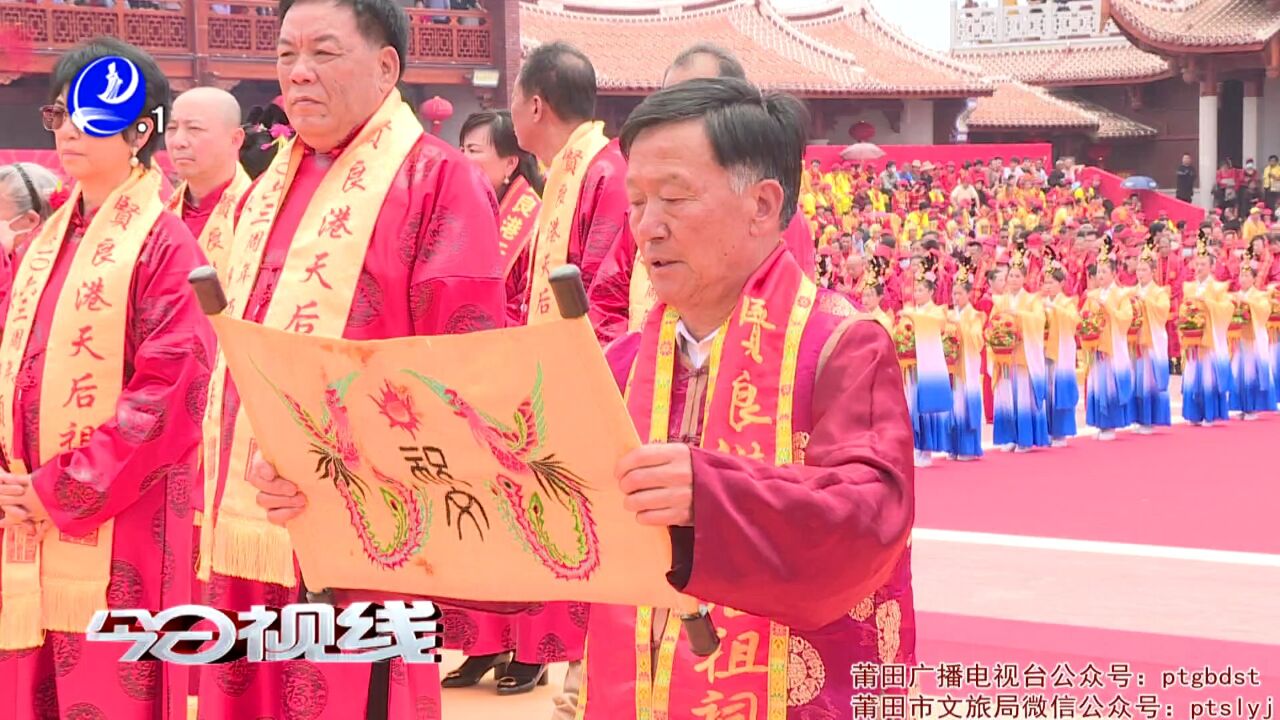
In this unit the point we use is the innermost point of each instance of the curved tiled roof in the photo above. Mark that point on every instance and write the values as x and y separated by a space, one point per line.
884 49
631 49
1111 124
1070 63
1019 106
1242 25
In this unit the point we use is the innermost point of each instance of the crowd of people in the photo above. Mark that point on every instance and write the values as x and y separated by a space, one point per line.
1015 291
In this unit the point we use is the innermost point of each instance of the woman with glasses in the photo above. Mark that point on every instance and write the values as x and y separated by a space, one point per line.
103 368
26 192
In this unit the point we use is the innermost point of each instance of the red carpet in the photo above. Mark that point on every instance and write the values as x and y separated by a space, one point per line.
1136 489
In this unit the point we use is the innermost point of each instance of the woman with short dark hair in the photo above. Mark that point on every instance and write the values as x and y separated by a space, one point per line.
105 358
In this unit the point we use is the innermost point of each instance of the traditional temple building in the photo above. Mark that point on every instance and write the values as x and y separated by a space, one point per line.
460 55
909 94
1163 77
1228 50
1076 80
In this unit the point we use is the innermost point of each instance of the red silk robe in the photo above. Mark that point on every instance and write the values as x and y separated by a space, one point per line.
599 231
196 217
432 268
798 238
140 470
849 495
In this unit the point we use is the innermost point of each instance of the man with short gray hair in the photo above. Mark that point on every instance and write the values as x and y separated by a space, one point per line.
778 441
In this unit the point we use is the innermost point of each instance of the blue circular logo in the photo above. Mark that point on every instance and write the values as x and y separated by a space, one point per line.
106 96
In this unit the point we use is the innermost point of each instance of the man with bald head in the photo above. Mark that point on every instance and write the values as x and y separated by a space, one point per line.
203 137
703 60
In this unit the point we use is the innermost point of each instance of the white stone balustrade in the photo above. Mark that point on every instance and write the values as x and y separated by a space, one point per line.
1028 22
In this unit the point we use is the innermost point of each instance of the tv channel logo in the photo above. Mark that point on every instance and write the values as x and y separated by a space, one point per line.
106 96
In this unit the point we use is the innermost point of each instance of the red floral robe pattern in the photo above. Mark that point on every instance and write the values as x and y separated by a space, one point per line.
139 470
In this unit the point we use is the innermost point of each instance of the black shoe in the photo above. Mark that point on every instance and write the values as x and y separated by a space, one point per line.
473 669
522 678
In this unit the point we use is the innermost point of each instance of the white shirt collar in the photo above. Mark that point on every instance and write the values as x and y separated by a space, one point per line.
697 352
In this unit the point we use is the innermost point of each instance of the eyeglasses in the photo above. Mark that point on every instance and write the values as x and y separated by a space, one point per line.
53 116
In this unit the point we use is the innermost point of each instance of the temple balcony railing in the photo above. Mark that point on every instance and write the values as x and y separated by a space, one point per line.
987 23
222 42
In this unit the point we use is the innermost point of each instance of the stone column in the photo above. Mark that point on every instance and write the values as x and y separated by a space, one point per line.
1208 141
917 122
1252 126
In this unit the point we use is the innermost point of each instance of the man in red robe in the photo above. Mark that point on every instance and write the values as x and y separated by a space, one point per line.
367 228
830 476
724 281
204 138
582 219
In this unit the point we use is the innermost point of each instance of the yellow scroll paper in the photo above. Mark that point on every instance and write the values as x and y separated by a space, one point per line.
472 466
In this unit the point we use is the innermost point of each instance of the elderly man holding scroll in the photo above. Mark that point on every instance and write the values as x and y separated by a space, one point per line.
780 452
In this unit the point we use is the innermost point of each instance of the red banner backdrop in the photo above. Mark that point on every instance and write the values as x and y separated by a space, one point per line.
1153 202
938 154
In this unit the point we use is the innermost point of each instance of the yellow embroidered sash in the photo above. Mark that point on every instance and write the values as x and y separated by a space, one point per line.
313 297
643 296
218 231
57 582
517 218
748 411
555 219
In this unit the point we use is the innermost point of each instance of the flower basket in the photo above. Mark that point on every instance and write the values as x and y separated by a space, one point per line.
1002 336
1239 319
1139 316
951 347
1092 325
904 343
1191 320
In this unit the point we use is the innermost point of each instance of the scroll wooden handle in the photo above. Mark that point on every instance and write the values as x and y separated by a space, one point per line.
571 296
204 280
701 631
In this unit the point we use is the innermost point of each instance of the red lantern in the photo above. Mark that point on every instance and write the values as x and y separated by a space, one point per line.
437 110
862 131
1098 153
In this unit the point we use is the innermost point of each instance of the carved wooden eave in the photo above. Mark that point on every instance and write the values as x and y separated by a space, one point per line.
206 42
1173 48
